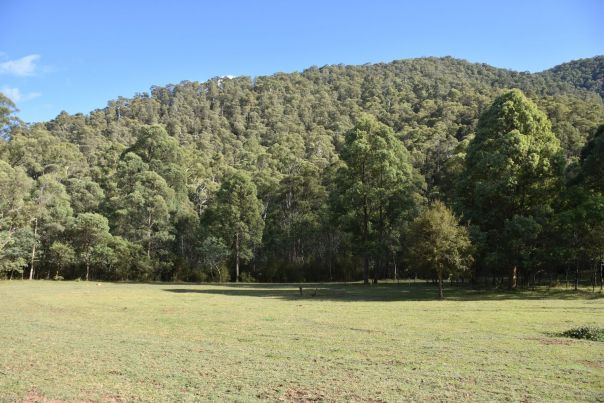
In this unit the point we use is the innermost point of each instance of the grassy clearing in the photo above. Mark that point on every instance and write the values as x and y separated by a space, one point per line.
160 342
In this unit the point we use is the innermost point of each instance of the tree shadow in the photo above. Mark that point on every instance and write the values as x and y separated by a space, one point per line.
381 292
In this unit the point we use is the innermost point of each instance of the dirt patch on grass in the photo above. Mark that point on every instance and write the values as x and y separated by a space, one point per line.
552 341
300 395
303 396
593 364
37 397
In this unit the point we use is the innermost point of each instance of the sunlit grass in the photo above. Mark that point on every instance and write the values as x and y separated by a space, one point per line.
160 342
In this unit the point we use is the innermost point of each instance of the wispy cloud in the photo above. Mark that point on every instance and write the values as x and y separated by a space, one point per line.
16 96
25 66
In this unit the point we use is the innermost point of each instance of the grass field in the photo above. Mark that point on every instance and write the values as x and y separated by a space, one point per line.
165 342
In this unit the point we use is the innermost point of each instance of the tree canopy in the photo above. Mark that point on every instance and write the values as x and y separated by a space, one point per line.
310 176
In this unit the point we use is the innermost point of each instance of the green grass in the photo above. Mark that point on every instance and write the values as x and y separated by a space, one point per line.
161 342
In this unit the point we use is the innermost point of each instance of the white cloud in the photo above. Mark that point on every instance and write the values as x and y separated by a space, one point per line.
16 96
25 66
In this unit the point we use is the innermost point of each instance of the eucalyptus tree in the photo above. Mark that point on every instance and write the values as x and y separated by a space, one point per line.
91 236
7 115
142 208
235 216
376 187
50 211
511 178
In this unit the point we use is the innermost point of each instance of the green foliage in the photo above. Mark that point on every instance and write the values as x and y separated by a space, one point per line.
14 188
236 217
319 147
91 236
438 246
592 161
583 73
7 111
247 277
592 333
213 254
512 175
376 187
61 255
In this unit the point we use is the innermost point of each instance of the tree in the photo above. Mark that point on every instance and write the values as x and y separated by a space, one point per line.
91 235
60 255
580 219
592 174
213 255
592 161
7 110
438 245
86 195
161 157
49 210
14 188
143 205
376 185
120 257
235 217
512 174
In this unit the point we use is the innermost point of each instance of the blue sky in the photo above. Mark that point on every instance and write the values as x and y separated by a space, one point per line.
76 55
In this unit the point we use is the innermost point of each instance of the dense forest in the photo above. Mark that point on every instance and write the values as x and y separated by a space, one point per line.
432 168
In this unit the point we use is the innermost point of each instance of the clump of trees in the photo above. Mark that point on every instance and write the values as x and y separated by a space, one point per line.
335 173
511 178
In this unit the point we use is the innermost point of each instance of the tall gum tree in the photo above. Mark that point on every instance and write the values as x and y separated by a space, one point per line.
511 176
236 216
376 185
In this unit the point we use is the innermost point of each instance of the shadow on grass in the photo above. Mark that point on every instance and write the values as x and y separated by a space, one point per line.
382 292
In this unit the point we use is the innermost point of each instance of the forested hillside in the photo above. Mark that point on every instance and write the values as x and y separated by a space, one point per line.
584 73
306 176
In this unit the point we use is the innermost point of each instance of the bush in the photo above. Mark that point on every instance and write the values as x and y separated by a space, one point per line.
197 276
224 276
246 277
585 333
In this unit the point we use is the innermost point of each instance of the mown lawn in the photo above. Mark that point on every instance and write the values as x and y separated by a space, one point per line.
165 342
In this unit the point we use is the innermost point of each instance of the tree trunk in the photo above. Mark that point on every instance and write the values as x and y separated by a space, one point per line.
237 257
376 270
87 270
365 246
514 278
576 275
601 275
440 286
33 250
595 277
149 229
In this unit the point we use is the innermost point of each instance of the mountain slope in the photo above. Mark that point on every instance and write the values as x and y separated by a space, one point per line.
584 73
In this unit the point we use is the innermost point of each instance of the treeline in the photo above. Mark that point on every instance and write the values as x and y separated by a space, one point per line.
329 174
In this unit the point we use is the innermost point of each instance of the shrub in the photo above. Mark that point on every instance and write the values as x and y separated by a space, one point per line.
246 277
585 333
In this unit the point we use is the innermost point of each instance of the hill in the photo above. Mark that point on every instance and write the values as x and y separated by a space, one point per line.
286 131
584 73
